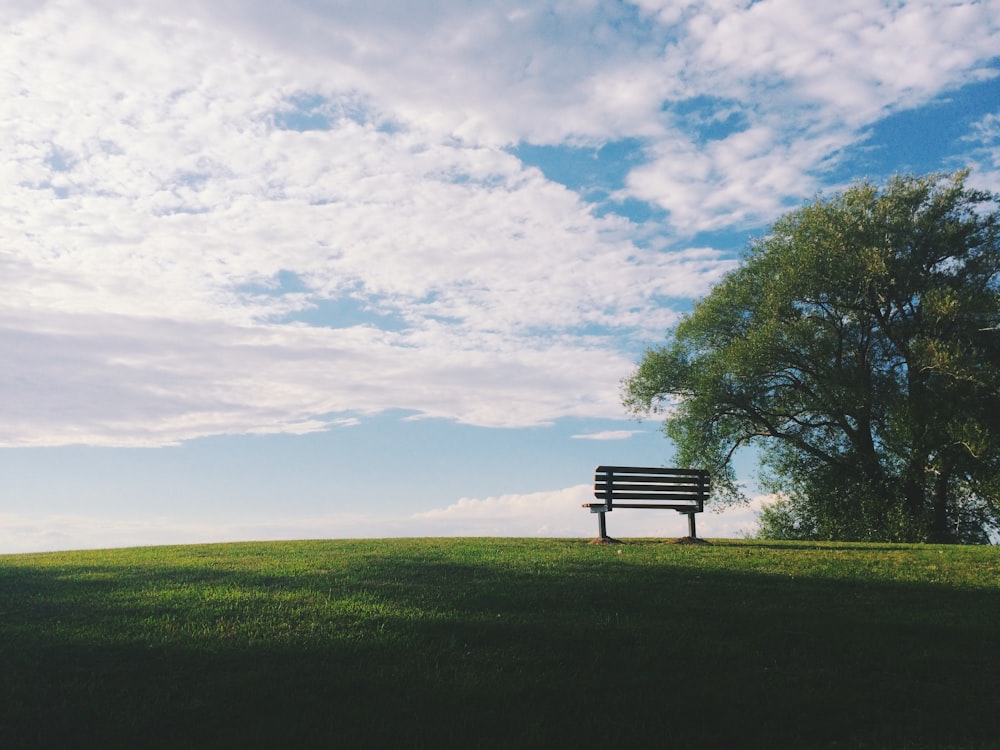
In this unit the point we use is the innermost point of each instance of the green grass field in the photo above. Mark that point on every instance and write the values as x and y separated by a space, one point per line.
494 643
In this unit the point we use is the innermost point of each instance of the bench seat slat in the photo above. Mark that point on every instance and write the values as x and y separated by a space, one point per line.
664 506
616 496
626 478
661 506
635 478
650 470
639 487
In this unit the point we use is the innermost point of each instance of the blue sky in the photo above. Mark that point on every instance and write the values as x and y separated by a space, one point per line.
316 269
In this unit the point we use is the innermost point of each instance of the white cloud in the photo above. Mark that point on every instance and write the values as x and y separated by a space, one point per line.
154 193
854 59
742 180
555 514
560 513
809 79
122 381
152 200
608 435
984 138
534 514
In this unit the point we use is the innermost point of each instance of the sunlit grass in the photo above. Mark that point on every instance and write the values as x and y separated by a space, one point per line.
501 643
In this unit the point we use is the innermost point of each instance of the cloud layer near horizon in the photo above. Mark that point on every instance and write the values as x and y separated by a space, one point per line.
554 513
239 217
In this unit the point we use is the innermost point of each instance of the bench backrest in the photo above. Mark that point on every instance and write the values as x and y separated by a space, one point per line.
643 487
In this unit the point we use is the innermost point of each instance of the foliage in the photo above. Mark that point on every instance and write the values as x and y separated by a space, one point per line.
857 347
498 643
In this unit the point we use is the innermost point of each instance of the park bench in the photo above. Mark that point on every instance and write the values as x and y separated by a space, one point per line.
683 490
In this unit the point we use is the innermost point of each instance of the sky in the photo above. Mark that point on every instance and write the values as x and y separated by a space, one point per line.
322 268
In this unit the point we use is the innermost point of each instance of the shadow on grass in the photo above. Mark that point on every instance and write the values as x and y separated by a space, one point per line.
411 650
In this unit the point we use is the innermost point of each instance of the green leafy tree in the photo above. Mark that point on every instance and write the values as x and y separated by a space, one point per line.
857 348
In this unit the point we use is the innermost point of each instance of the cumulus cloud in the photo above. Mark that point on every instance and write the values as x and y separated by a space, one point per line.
234 217
806 79
984 139
534 514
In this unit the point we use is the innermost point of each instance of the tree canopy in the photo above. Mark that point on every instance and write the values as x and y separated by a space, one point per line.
857 348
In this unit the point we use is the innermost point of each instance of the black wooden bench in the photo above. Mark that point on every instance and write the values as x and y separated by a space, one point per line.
683 490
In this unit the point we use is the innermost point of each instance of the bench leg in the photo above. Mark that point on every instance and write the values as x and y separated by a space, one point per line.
691 531
602 530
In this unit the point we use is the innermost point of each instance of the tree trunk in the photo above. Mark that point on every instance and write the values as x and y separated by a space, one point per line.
940 531
914 500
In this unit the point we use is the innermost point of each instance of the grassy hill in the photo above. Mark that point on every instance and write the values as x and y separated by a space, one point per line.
496 643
